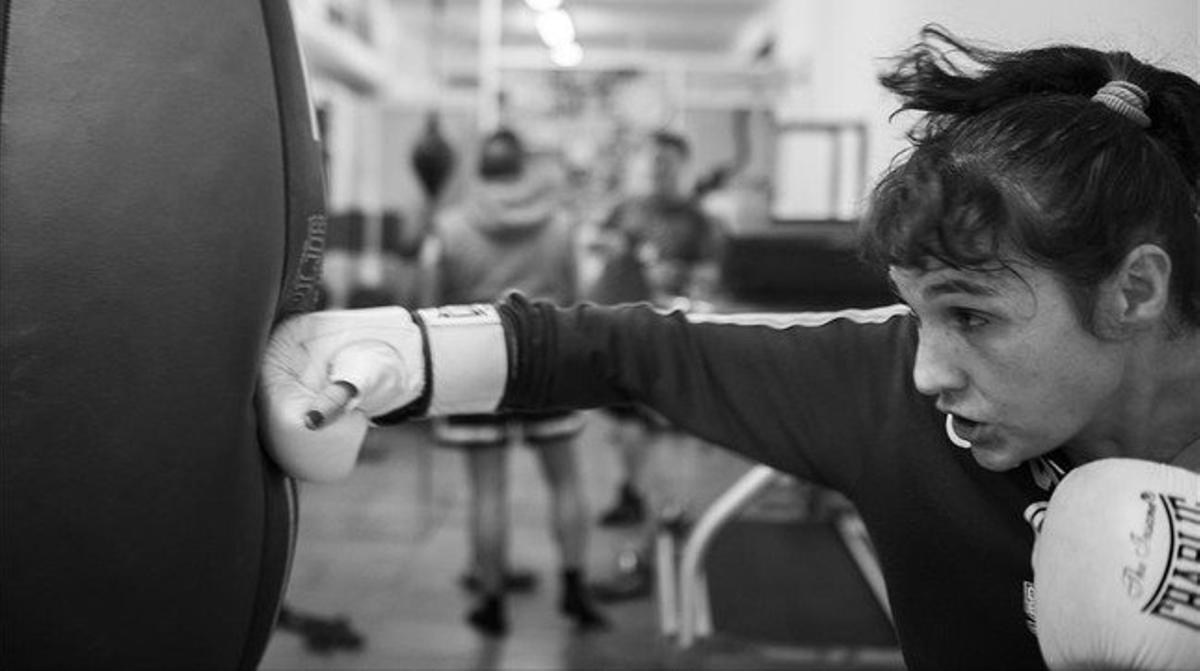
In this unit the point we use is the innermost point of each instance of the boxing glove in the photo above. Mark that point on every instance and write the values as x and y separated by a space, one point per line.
1117 568
347 368
374 357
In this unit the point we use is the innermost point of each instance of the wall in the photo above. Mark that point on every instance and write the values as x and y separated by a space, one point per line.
834 48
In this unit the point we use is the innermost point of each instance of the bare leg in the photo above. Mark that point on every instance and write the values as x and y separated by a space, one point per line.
569 527
487 470
568 511
631 437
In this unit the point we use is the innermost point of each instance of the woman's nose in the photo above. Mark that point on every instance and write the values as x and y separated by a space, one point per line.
936 371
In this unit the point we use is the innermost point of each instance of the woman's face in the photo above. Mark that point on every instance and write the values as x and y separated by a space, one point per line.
1006 355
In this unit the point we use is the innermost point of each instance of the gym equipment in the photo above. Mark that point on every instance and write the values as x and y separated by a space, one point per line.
433 158
162 207
1115 568
810 263
807 584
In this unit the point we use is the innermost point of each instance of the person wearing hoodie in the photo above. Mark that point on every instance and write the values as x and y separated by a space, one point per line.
511 233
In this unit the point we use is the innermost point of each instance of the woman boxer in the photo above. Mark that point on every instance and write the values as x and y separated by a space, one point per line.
1043 232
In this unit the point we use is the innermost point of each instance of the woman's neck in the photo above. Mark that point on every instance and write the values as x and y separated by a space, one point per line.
1156 414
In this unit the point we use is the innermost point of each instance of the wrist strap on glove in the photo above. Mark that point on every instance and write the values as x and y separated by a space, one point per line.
466 362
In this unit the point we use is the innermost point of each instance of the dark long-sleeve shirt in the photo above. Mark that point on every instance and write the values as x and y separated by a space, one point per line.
827 397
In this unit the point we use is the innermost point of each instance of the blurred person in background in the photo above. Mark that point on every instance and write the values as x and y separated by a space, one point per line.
658 247
510 233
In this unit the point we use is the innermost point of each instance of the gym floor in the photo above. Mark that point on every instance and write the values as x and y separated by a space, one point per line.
384 549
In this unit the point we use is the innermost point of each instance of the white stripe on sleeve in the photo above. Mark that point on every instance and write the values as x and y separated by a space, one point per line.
783 320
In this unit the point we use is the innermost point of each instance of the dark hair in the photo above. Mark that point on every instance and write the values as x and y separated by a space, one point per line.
671 140
501 155
1012 151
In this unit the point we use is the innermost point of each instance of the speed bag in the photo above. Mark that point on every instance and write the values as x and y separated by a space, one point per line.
161 207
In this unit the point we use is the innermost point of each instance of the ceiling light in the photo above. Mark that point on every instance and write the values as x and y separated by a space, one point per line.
567 55
555 28
543 5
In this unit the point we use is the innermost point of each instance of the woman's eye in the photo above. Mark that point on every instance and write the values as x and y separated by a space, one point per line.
968 319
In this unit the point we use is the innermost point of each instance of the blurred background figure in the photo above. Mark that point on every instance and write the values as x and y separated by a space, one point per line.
657 246
510 234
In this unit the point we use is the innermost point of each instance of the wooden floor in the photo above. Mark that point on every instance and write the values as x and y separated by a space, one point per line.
385 548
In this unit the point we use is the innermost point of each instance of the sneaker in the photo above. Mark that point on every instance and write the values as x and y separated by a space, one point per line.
629 510
488 617
321 635
516 581
577 606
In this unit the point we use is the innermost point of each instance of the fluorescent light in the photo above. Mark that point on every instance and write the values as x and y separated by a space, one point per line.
543 5
555 28
567 55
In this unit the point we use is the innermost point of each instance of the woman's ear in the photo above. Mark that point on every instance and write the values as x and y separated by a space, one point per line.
1135 297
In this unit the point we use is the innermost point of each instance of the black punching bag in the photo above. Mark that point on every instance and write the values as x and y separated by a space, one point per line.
160 208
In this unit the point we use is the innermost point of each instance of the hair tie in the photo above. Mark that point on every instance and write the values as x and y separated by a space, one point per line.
1125 98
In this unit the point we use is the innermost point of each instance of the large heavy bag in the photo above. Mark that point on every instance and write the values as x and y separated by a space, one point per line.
161 207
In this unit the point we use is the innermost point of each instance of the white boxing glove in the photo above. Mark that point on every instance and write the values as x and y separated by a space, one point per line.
1117 568
373 357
